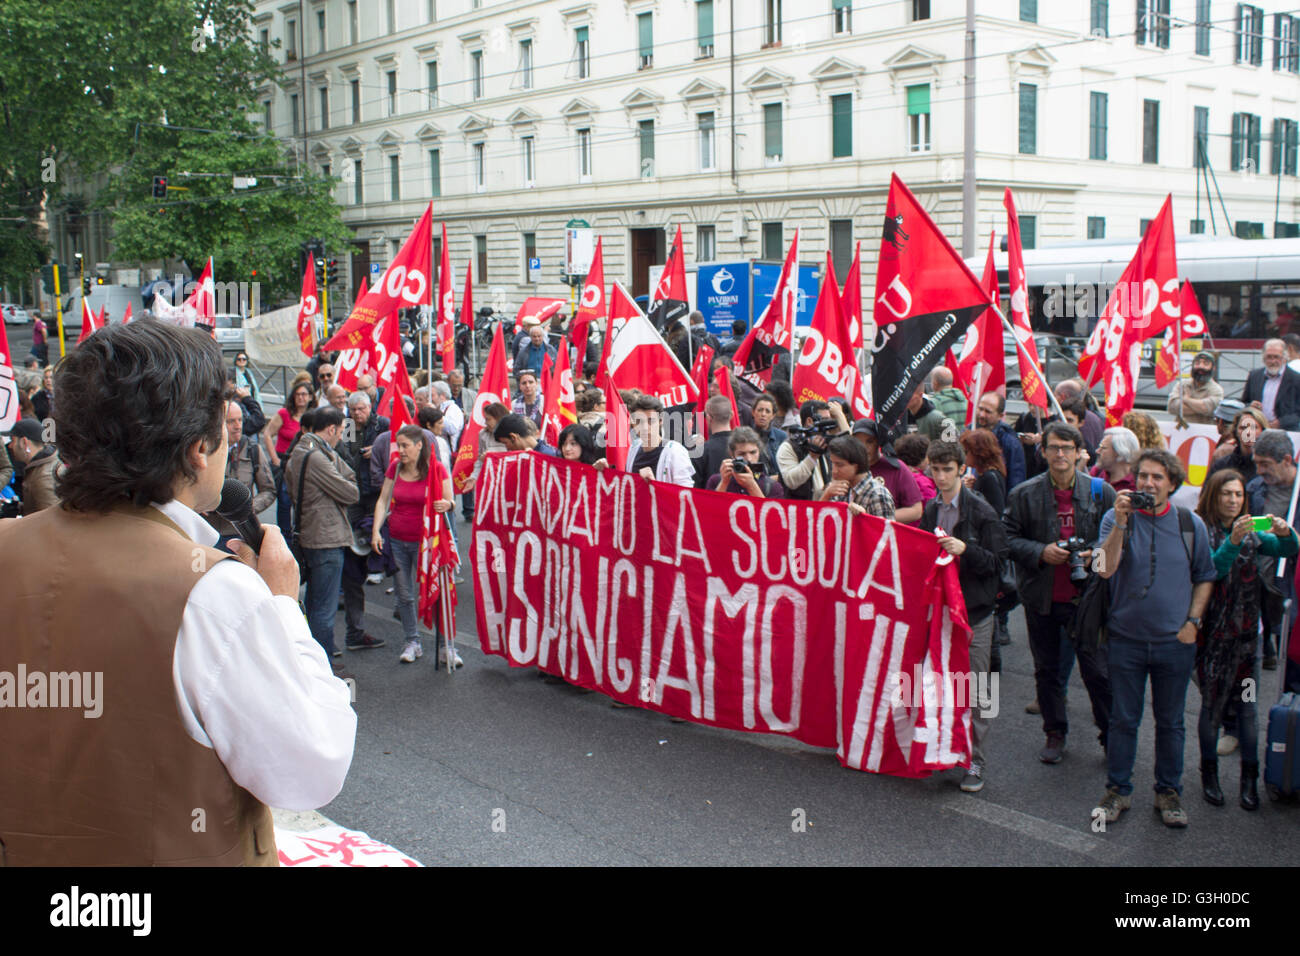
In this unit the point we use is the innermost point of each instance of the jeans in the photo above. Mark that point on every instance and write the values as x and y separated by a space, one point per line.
981 646
1169 665
283 506
407 556
467 505
1046 643
324 574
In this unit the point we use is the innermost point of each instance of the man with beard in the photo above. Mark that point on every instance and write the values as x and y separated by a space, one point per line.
1197 400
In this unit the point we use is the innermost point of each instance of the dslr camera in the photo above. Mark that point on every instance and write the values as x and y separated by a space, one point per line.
741 466
801 437
1078 566
1141 500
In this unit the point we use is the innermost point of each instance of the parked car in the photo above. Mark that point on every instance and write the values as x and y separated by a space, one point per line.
14 314
230 332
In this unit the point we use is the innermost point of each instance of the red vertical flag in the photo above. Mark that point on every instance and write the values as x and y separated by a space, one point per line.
618 442
126 316
826 366
669 302
353 363
982 363
308 310
1031 380
559 409
774 329
593 304
445 328
851 301
89 323
700 374
495 388
722 375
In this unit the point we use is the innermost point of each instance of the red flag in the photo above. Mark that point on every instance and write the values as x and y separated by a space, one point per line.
593 304
700 375
958 379
559 408
309 311
126 316
89 322
826 366
353 363
618 442
546 369
774 328
405 283
621 308
445 328
537 309
467 301
1167 358
925 299
399 419
437 553
1031 380
638 356
669 302
851 301
495 388
981 363
1191 316
722 375
9 396
203 300
5 358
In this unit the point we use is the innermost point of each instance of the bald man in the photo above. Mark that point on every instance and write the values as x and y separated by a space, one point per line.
950 401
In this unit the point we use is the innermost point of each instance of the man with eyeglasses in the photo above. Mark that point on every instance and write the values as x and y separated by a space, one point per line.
1053 522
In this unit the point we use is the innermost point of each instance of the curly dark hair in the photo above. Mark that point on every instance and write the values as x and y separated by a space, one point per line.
132 400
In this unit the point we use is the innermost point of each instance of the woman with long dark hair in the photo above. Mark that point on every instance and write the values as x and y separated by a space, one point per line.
277 436
406 486
1229 633
577 443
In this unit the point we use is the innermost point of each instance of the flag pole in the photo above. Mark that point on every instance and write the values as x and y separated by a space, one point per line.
1024 353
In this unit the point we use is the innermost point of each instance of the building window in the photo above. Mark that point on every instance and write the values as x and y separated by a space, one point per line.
432 11
480 172
1099 23
584 155
1151 131
293 111
1197 227
583 52
356 101
920 10
771 22
291 40
394 178
1286 43
773 138
266 106
918 118
1142 226
645 131
530 251
1029 11
480 253
325 170
1284 147
842 125
1200 136
1152 23
1249 230
526 64
842 15
1098 104
645 40
353 27
435 172
431 80
1203 27
842 246
1028 231
320 31
708 155
476 71
706 243
1245 142
1250 34
324 108
1096 227
390 11
391 77
704 28
264 38
358 191
1028 118
772 245
528 145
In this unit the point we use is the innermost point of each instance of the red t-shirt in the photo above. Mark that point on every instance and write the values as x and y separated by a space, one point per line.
1063 589
406 513
289 427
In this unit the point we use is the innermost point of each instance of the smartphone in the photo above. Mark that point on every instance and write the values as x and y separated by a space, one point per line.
1261 524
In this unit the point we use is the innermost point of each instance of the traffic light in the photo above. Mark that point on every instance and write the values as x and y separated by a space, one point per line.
331 271
47 278
85 285
160 187
320 272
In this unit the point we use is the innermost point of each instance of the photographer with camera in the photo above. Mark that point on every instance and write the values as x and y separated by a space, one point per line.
1052 521
744 472
1156 557
801 459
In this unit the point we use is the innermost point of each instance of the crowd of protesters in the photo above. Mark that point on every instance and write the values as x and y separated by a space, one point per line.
1035 513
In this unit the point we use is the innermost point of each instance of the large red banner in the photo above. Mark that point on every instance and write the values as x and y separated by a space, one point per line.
787 617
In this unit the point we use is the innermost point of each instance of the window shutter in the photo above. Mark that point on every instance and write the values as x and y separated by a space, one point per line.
1028 118
581 34
918 99
1140 31
645 34
1292 145
842 125
704 22
772 144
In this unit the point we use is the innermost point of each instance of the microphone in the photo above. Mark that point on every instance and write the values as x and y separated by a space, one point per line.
237 508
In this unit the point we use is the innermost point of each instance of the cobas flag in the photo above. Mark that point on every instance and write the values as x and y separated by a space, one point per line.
826 366
981 364
404 284
1031 378
925 298
773 331
638 357
669 302
495 388
309 310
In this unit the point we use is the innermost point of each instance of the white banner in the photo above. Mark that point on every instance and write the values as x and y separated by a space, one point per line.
272 338
1194 446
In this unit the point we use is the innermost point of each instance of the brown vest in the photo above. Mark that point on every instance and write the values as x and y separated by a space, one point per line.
106 593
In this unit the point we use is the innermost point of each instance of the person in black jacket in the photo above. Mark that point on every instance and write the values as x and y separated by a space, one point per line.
710 456
969 530
1048 509
1275 388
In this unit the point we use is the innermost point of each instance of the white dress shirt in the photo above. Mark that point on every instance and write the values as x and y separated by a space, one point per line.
1272 383
453 422
253 685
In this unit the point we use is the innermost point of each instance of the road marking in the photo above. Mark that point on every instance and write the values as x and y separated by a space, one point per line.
1031 826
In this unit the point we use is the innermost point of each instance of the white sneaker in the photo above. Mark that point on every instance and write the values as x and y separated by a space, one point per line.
455 656
1227 745
410 652
374 579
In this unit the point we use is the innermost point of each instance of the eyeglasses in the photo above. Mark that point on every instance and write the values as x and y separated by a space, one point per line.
1061 449
241 358
326 378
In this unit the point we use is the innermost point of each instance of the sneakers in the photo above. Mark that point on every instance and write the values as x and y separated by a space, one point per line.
1113 804
1227 744
973 781
1053 749
1170 808
374 579
410 652
1033 708
455 657
336 653
367 642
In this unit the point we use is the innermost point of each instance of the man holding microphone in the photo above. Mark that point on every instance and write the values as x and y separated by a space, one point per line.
214 699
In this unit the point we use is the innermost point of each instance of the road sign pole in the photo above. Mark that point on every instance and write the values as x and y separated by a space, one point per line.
58 309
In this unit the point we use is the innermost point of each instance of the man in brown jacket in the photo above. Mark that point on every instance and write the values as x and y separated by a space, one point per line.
27 445
328 486
247 463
